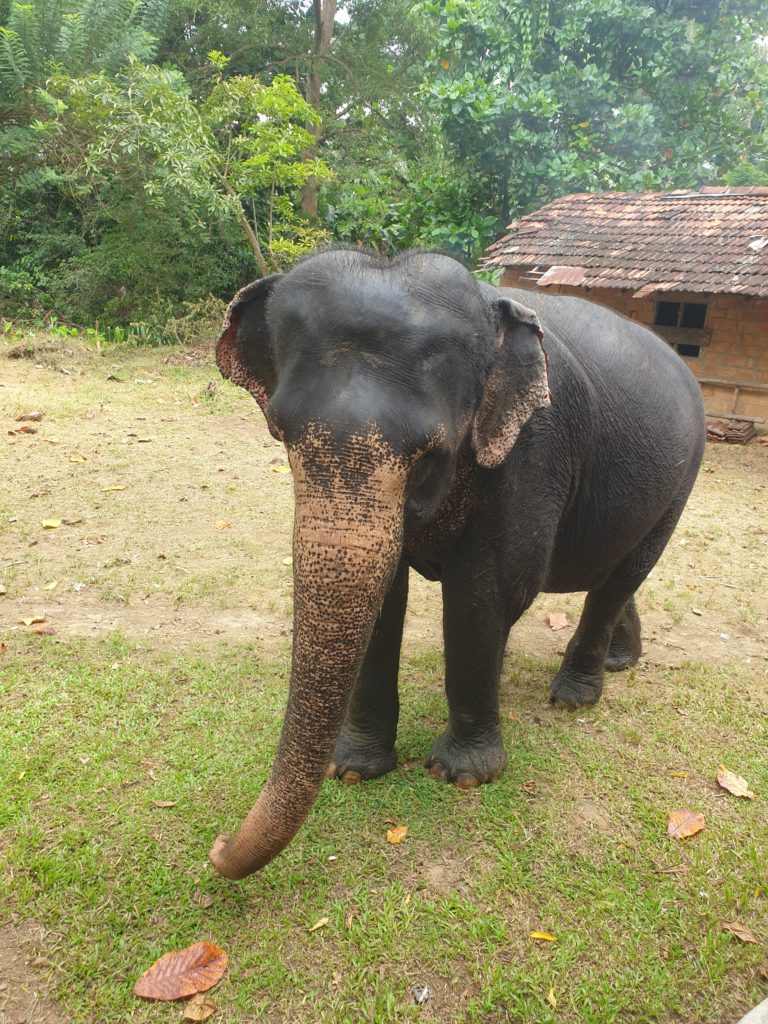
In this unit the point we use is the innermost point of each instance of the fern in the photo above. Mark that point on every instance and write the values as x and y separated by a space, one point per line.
23 21
15 71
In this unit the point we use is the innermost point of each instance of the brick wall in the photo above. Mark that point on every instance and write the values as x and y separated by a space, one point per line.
736 352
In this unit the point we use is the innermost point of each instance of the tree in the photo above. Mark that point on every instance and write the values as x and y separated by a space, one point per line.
543 98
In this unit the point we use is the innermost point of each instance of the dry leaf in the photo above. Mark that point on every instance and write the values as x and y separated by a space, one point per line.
77 458
2 590
288 561
164 803
551 999
184 973
350 918
512 717
52 585
397 834
222 524
543 937
44 630
199 1007
114 487
740 931
320 924
733 783
279 469
557 620
32 620
684 823
51 524
678 775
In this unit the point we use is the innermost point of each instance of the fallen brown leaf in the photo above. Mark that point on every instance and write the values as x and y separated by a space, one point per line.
183 973
543 937
740 931
557 620
279 469
320 924
551 999
682 824
199 1007
397 834
164 803
114 487
51 524
32 620
44 630
733 783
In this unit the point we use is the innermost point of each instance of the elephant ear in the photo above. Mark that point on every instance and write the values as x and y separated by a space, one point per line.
516 387
244 351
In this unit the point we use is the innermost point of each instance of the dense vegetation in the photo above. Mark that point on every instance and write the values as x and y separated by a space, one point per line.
153 152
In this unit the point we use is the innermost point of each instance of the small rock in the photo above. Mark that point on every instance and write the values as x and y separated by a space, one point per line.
421 994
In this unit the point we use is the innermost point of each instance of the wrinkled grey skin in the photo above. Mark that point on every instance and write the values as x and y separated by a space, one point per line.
502 442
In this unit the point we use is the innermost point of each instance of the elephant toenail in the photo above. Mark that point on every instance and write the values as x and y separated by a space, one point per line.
351 777
558 702
439 772
330 771
465 781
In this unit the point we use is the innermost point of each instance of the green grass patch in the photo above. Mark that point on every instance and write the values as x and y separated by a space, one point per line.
571 841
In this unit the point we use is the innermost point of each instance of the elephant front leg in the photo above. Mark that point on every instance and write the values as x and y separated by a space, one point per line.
365 748
476 624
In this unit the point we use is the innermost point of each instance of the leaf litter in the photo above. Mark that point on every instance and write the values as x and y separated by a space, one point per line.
183 973
735 784
685 823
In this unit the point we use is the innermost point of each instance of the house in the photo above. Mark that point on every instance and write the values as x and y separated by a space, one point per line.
693 265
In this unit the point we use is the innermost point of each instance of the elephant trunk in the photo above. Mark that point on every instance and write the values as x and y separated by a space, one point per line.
347 544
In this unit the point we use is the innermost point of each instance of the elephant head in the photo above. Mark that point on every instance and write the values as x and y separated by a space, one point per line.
375 374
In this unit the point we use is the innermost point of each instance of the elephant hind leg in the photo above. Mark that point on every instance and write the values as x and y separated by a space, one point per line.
608 634
626 646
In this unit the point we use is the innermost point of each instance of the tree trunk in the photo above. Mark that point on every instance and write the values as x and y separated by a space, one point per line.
324 12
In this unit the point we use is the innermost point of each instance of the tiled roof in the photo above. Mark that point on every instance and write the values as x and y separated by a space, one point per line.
711 240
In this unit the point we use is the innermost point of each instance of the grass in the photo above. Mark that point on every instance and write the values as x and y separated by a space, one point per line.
99 731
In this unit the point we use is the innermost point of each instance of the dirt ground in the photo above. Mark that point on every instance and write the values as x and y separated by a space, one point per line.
175 510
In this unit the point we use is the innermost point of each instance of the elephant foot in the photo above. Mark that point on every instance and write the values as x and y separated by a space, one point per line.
617 660
355 760
626 645
467 762
573 690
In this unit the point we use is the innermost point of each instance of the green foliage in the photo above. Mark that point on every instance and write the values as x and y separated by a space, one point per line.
128 187
544 99
84 35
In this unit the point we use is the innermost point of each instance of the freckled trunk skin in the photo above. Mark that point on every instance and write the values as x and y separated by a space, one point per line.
347 543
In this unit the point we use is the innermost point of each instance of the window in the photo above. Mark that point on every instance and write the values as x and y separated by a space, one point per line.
691 351
681 314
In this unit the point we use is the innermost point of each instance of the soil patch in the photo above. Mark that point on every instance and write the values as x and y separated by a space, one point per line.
175 507
24 989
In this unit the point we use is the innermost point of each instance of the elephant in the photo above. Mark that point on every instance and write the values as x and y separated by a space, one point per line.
502 442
